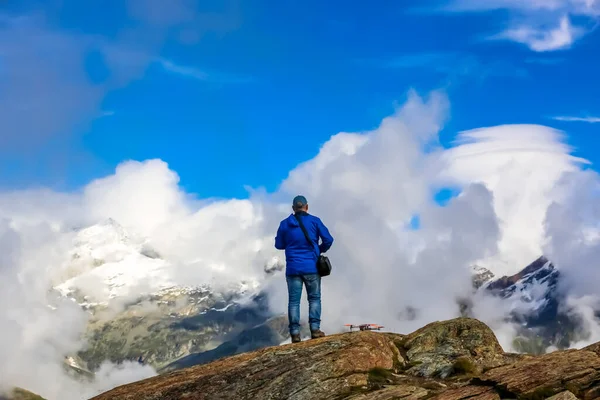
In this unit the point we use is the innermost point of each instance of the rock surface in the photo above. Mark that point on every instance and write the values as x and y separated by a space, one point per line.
541 377
449 360
443 348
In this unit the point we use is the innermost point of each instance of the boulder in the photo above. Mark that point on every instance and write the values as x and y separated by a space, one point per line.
462 345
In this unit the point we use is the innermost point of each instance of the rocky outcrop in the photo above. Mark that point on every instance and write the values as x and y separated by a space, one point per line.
449 360
442 348
548 375
309 370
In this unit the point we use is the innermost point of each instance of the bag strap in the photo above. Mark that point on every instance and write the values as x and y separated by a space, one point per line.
305 232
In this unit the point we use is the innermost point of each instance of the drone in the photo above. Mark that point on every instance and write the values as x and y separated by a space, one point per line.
365 327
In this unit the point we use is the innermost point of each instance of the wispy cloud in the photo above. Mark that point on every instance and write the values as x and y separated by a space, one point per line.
589 120
541 25
199 74
189 72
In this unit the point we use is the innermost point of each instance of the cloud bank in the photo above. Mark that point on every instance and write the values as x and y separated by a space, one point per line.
522 194
589 120
541 25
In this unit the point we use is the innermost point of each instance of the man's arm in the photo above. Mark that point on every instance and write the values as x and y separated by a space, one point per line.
326 238
279 239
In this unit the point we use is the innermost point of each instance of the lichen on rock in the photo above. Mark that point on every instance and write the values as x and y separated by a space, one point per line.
442 349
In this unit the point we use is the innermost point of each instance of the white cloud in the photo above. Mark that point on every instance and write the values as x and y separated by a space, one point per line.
542 25
200 75
189 72
591 120
544 39
585 7
522 194
521 164
39 328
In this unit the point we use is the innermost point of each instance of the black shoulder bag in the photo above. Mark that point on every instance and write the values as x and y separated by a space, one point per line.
323 263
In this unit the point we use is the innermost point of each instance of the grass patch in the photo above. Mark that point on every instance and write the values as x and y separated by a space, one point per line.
464 366
379 376
21 394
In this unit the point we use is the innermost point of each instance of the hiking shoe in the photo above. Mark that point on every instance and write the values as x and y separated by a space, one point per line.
317 334
296 338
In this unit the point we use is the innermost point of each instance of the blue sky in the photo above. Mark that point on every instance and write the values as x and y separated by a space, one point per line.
235 93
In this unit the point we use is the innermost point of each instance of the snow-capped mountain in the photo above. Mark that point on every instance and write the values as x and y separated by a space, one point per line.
535 302
108 262
530 291
154 319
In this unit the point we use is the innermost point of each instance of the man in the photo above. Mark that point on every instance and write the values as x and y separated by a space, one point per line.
301 264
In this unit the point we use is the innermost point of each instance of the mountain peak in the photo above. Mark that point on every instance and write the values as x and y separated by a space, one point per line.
539 272
106 232
108 261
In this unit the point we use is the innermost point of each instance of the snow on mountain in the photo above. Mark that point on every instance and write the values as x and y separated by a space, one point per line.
529 291
108 262
481 276
534 302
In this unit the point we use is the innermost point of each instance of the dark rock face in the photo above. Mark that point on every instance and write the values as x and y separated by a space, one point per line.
384 366
546 323
535 271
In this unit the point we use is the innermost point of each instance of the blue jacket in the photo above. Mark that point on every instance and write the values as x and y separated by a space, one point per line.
300 257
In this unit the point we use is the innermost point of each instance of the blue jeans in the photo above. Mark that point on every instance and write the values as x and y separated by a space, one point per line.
313 289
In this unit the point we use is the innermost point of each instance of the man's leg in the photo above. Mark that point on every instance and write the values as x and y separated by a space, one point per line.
313 289
294 284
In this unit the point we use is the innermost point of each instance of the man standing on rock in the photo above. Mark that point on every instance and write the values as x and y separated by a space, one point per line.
301 264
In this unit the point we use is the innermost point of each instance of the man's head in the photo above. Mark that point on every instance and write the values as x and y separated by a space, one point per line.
299 204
